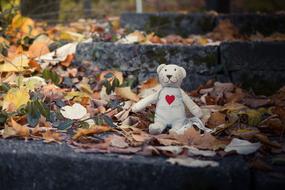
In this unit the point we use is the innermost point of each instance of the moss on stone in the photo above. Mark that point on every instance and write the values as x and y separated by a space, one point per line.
206 24
156 23
210 60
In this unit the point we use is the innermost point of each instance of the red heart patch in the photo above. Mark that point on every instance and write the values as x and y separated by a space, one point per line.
169 99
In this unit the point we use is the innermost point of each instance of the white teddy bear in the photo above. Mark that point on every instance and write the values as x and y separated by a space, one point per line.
170 100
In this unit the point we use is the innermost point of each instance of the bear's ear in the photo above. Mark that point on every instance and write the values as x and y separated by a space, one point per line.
160 67
183 72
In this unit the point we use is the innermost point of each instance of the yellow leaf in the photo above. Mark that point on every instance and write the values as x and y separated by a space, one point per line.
77 96
15 98
86 88
24 24
18 64
71 36
126 92
33 82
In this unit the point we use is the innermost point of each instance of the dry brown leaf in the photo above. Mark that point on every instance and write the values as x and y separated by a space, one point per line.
35 65
52 136
16 130
204 141
37 49
216 119
118 141
150 83
127 93
257 102
153 38
266 141
96 129
224 31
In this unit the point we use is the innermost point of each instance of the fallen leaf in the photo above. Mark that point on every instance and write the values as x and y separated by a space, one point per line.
202 141
192 151
242 146
114 74
18 64
96 129
190 162
15 98
39 48
216 119
69 58
118 141
76 111
257 102
57 56
170 151
134 37
52 136
126 92
33 82
24 24
265 140
16 130
71 36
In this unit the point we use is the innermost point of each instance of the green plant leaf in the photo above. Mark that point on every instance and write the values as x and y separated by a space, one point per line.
108 121
65 124
3 117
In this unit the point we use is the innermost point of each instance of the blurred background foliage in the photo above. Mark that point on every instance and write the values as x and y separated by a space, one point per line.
65 10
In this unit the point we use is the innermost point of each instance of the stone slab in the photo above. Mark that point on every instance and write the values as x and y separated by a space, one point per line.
35 165
256 65
201 63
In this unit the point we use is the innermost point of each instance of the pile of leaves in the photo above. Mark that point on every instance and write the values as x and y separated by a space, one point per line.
46 95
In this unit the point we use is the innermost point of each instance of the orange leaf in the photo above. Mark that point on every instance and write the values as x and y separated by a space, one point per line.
96 129
150 83
52 136
69 58
33 64
16 130
38 48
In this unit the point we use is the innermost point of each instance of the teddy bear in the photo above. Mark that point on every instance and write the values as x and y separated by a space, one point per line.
170 101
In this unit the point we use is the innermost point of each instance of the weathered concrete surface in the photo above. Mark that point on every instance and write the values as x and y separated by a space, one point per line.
201 23
201 63
256 65
35 165
252 23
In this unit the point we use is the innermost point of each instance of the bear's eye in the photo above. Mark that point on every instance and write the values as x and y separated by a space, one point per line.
174 69
165 69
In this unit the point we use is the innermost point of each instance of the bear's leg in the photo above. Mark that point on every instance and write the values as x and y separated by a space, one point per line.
156 128
178 127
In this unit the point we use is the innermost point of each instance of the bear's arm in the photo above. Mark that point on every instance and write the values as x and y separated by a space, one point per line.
140 105
193 108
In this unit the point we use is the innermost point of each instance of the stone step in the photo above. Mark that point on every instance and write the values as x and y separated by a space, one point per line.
201 23
35 165
254 65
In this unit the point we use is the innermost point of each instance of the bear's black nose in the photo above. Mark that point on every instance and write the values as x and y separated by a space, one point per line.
169 76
